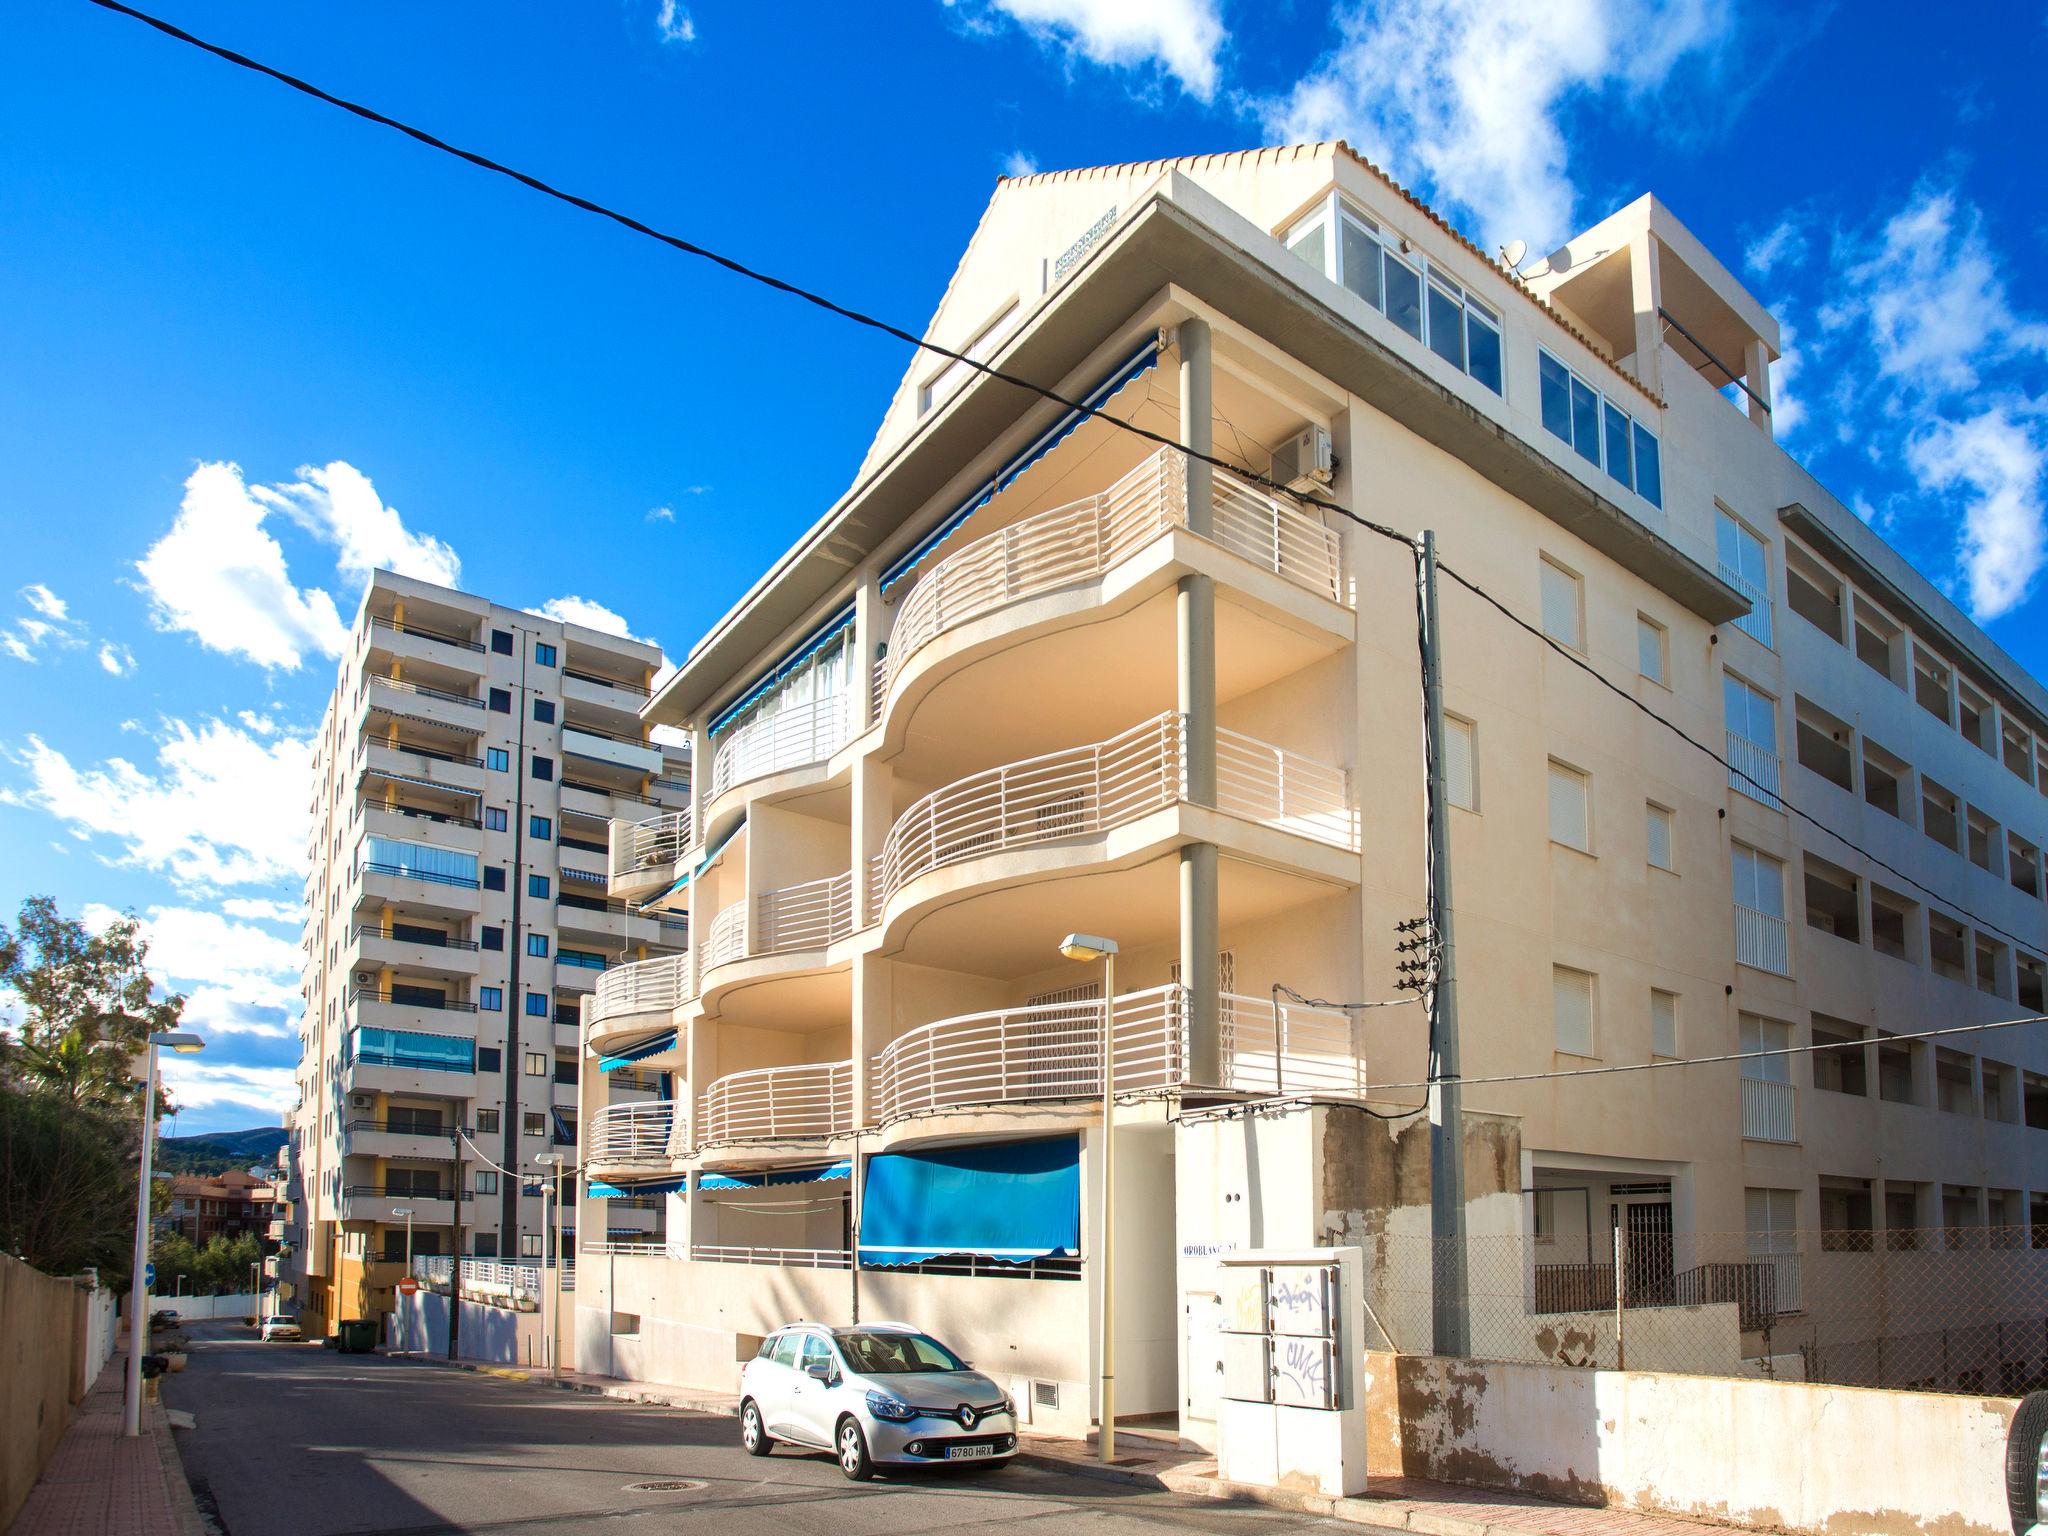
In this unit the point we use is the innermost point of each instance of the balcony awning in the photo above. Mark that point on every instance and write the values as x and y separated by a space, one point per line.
703 862
407 778
639 1050
838 1170
1132 367
1012 1201
600 1190
817 640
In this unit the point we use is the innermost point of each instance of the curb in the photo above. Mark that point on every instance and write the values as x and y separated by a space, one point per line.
185 1516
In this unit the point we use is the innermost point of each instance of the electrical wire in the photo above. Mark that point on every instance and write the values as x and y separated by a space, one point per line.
1392 1002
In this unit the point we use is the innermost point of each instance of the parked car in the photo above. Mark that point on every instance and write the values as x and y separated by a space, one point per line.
164 1317
880 1394
284 1328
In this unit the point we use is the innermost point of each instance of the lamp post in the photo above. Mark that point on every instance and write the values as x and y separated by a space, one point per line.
406 1212
1089 946
558 1163
138 1285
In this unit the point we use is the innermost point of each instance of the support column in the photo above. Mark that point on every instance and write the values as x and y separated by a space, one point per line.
1756 365
1195 676
1646 282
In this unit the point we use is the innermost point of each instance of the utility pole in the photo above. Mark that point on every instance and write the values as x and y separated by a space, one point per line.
1450 1301
455 1263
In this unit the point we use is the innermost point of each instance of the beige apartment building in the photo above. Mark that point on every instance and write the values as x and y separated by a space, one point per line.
467 768
1035 674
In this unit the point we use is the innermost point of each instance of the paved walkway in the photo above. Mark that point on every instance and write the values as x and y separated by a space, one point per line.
1400 1503
101 1483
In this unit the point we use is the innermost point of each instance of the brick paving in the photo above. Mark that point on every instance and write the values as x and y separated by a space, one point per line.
101 1483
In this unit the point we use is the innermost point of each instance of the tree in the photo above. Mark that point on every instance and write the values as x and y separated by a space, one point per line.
67 1184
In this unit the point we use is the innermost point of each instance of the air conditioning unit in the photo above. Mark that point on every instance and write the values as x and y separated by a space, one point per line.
366 978
1304 462
360 1101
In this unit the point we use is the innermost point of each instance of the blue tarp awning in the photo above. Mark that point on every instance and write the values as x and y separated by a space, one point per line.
1014 1201
820 638
600 1190
1145 357
639 1050
839 1170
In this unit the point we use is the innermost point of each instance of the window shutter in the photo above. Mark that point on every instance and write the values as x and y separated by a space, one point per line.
1560 604
1571 1002
1658 827
1663 1023
1568 816
1459 780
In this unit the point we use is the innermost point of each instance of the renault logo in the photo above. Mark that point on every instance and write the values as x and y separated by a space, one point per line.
966 1415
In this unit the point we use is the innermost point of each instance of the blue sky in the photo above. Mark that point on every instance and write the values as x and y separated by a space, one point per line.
255 348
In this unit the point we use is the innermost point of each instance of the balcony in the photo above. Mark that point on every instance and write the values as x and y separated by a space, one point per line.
1054 1051
636 1134
797 917
418 889
460 712
1762 941
1757 622
1078 543
644 988
434 1207
1768 1111
795 737
1754 770
412 642
403 1007
420 951
415 762
396 1138
643 854
614 751
448 829
409 1062
1090 789
811 1100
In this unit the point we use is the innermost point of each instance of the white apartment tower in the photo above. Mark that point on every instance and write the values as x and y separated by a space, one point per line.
467 767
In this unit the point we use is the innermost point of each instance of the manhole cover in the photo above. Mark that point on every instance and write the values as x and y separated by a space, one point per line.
666 1485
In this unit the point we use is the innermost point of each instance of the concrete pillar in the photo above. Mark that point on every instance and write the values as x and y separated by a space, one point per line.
870 631
700 779
874 805
1197 422
1756 365
1195 677
871 1024
1647 287
702 1061
1200 946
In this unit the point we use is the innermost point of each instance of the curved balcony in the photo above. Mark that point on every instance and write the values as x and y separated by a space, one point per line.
795 737
1079 542
1054 1051
797 917
814 1099
637 1134
643 854
1089 789
645 992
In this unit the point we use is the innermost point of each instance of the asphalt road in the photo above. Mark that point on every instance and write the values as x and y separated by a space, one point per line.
299 1440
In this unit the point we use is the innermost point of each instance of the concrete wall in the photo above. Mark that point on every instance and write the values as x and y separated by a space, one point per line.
495 1335
1769 1454
54 1336
237 1304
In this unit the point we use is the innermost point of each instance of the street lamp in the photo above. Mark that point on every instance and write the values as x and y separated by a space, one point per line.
1089 946
559 1164
138 1285
406 1212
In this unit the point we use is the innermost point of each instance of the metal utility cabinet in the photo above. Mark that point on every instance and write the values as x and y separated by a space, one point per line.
1293 1401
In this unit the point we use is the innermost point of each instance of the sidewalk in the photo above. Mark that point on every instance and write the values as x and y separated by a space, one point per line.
1400 1503
101 1483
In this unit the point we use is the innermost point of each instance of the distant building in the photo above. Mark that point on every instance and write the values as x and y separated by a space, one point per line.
206 1206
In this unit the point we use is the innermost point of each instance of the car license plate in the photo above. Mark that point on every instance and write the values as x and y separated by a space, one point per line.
964 1452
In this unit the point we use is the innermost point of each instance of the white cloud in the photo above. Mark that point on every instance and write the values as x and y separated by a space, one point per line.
1788 407
661 514
264 911
1184 38
674 23
339 505
116 658
1782 245
1991 465
1466 97
587 612
237 979
52 626
1018 163
46 602
221 809
198 1083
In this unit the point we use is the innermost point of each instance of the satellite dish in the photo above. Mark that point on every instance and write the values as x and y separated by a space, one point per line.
1513 253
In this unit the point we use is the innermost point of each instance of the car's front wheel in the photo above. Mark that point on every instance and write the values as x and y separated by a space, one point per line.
753 1433
854 1460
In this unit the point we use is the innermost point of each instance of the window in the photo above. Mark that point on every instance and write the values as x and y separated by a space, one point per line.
536 1005
497 759
1652 650
532 1124
1981 842
1563 605
537 945
588 960
1772 1216
486 1180
1759 884
1663 1023
1824 744
486 1119
1752 724
536 1064
1571 814
1941 813
543 654
1892 923
1571 1010
1877 639
1744 562
501 701
1884 778
495 819
491 936
1657 825
1840 1066
1832 902
529 1245
937 389
543 767
486 1245
544 711
1461 784
1930 684
488 1059
537 885
501 641
540 827
1599 431
490 999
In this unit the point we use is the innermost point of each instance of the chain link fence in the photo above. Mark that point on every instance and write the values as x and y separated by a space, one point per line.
1937 1310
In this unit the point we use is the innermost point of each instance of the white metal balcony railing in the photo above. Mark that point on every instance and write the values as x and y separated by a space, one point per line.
1768 1111
1078 542
1757 622
777 1103
1755 770
1762 941
631 1133
1785 1279
787 1258
1054 1051
789 738
645 986
517 1280
807 916
655 843
1082 790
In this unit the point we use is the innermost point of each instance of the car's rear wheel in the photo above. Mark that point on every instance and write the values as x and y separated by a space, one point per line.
854 1460
753 1433
2026 1462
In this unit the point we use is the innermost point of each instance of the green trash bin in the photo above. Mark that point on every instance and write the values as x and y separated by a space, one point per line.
358 1336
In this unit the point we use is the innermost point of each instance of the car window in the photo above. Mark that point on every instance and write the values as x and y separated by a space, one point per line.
884 1354
816 1352
786 1348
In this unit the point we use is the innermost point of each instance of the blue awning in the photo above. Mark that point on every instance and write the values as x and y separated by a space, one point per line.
600 1190
1013 1201
839 1170
639 1050
817 640
1144 358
